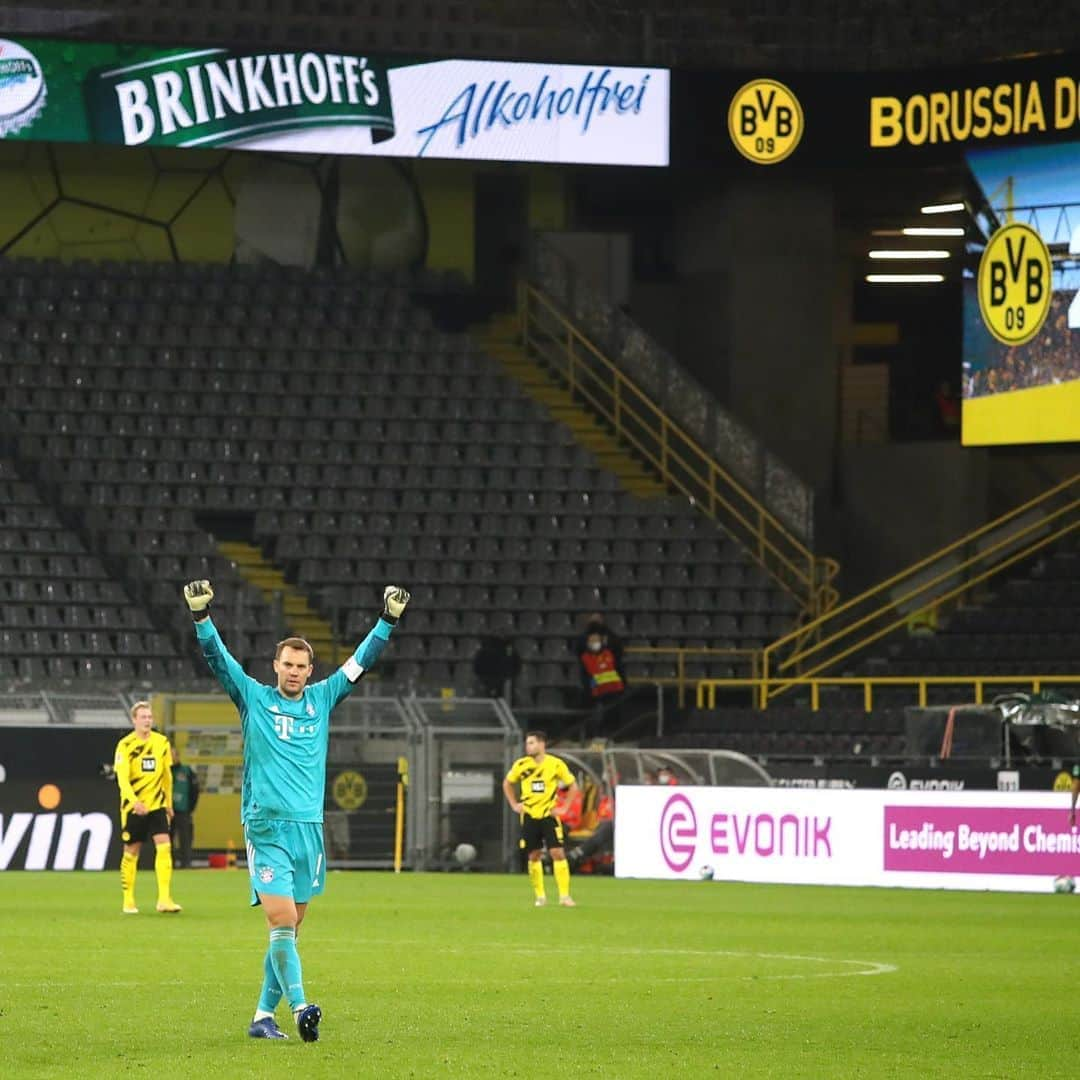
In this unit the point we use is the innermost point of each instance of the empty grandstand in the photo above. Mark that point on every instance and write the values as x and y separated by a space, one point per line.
169 411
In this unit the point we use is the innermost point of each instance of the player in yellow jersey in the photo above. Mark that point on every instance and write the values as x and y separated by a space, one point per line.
143 766
540 775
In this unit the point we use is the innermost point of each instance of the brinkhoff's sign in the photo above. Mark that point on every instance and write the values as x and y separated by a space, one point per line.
332 103
214 98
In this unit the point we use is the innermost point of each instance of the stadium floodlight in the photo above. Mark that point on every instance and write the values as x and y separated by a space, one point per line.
913 254
943 208
933 230
905 279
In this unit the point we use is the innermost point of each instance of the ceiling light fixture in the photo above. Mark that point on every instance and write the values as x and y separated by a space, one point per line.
915 254
905 279
943 208
933 230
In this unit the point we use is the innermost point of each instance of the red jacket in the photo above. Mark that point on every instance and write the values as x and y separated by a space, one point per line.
568 807
602 673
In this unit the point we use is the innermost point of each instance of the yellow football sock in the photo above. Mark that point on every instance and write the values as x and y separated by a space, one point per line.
562 876
536 876
163 870
128 865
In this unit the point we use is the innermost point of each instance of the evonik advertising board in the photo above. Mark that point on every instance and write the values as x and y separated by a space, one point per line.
1006 841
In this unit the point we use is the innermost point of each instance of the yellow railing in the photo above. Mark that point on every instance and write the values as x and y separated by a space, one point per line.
761 687
925 587
682 463
750 657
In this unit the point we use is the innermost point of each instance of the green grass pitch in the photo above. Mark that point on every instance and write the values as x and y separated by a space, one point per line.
458 975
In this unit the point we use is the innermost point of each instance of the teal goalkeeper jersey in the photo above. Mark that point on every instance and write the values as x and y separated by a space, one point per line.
285 741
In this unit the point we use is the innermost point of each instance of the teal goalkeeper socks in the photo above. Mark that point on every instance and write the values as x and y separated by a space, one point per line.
271 988
286 964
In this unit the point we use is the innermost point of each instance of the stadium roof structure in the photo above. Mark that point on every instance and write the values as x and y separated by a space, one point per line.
791 35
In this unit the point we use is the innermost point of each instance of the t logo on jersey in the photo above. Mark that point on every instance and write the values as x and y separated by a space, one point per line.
286 727
149 764
539 787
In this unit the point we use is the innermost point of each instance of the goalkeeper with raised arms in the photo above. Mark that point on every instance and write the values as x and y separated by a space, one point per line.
286 731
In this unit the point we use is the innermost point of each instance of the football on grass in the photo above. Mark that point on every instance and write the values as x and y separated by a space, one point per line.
1064 883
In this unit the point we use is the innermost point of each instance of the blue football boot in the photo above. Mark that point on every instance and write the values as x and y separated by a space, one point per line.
266 1028
307 1022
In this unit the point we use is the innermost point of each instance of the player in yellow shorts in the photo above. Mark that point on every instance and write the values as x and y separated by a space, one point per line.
540 775
143 766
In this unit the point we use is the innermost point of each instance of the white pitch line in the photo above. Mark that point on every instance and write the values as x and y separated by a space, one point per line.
865 967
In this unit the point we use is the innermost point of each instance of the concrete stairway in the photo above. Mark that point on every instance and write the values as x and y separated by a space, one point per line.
498 338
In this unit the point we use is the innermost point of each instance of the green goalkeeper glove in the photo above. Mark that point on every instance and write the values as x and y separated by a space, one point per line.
394 600
198 595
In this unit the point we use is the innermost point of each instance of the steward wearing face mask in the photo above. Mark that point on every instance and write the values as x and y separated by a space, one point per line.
600 655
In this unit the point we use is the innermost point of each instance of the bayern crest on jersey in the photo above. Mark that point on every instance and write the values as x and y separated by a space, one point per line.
266 875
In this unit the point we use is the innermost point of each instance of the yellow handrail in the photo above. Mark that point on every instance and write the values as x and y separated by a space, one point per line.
682 653
939 579
938 555
681 461
850 623
706 688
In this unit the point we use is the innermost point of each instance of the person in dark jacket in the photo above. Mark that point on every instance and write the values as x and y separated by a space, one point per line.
185 796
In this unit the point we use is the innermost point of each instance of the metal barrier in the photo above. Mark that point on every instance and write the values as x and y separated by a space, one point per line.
633 765
763 688
678 457
466 747
673 389
680 680
922 588
99 708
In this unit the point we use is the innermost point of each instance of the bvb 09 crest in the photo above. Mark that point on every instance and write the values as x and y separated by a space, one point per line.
1015 285
765 121
349 790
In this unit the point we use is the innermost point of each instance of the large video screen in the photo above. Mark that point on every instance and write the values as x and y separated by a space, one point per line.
332 103
1022 298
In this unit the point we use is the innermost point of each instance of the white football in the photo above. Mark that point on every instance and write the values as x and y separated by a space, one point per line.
705 873
1064 884
464 853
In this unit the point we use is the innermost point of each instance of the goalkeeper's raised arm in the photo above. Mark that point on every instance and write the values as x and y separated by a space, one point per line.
234 680
294 659
338 685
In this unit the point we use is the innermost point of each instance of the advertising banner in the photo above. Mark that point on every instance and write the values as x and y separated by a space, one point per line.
1006 841
777 119
840 776
57 809
1022 299
1009 133
332 103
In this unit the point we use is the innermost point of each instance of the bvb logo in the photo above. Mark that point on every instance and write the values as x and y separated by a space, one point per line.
1015 289
765 121
349 790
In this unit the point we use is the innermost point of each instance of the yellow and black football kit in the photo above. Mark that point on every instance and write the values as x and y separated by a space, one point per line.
144 772
539 789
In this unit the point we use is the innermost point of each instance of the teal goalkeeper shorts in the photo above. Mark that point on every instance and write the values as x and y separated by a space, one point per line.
285 858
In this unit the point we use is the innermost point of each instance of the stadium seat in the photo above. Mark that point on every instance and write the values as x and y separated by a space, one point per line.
482 490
